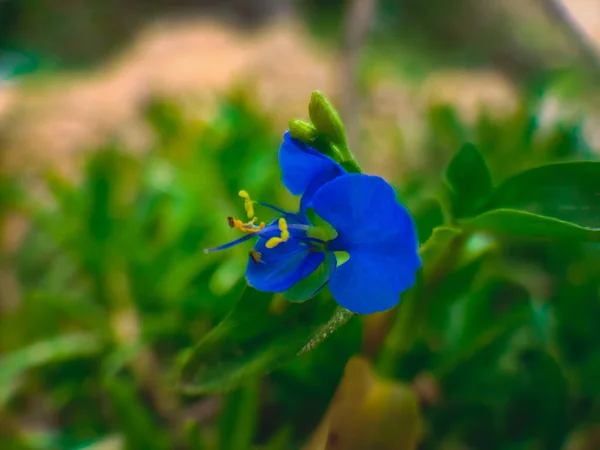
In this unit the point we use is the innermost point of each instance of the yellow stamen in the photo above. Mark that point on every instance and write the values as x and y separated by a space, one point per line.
248 203
248 227
285 235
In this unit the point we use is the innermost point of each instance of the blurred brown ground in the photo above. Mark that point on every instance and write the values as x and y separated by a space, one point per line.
50 122
53 121
196 62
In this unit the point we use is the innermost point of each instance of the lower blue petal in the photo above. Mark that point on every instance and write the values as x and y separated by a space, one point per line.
282 266
371 282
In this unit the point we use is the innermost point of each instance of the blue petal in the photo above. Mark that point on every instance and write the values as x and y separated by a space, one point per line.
371 282
364 211
380 237
304 169
282 266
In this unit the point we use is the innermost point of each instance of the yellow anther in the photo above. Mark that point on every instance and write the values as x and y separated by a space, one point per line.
248 227
285 235
248 203
283 227
273 242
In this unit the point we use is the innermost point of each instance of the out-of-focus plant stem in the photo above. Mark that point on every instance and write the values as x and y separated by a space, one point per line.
358 21
126 330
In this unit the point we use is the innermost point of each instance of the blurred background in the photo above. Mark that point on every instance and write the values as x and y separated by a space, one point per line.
127 129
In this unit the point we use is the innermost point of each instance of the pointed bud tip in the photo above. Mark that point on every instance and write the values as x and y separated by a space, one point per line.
326 120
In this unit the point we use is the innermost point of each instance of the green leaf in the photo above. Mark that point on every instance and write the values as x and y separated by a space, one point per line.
238 420
68 346
139 427
470 181
193 435
261 332
327 121
522 223
559 201
568 192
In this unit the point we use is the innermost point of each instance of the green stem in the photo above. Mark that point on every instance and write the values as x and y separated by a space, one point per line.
340 317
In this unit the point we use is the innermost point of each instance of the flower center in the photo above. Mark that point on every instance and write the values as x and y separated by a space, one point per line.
312 236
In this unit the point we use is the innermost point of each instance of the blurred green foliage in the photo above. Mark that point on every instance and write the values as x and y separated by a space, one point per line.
499 339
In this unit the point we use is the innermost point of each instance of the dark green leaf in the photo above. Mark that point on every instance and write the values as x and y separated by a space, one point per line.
522 223
134 418
261 332
65 347
239 418
567 192
469 180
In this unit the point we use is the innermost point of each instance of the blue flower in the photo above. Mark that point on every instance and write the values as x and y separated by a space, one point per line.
354 215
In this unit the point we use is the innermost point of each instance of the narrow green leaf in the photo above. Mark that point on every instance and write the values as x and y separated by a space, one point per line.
568 192
470 181
139 427
261 332
110 442
193 435
238 420
522 223
68 346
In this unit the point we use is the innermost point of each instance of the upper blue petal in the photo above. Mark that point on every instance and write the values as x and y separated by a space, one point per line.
378 233
282 266
304 169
